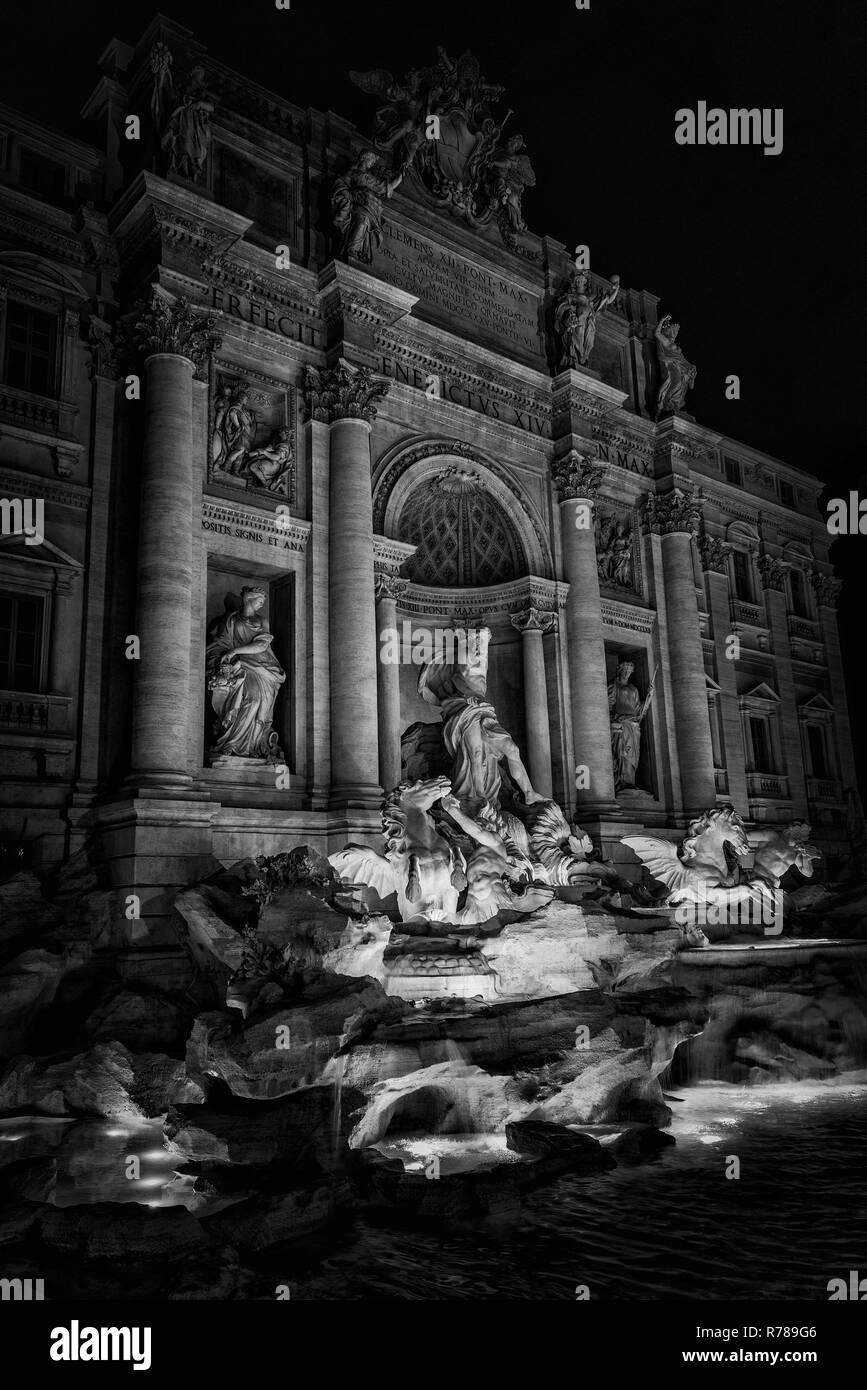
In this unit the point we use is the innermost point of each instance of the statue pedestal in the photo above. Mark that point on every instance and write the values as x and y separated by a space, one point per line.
251 770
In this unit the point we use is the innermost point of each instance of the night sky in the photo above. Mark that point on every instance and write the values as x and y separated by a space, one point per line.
760 258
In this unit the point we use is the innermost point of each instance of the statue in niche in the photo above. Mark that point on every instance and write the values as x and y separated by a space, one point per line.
187 136
356 206
244 678
614 560
679 373
268 465
234 428
575 317
472 734
627 712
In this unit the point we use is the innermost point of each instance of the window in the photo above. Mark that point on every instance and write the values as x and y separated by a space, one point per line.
761 745
31 343
800 603
787 494
21 622
39 174
818 753
743 572
733 472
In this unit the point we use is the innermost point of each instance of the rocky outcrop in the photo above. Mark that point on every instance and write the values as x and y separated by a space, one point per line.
28 985
108 1081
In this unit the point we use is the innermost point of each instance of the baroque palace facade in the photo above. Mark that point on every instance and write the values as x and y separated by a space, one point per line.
363 386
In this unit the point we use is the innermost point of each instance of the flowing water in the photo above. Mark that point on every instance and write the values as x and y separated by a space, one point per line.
671 1228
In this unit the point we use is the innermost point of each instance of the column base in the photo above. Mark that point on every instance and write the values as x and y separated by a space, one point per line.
356 796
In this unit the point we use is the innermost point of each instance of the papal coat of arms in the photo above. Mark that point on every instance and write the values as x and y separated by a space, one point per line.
438 126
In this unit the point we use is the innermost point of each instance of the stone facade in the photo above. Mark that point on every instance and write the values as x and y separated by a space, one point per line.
213 391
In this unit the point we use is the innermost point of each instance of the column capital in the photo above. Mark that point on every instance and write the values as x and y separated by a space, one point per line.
674 512
389 586
530 619
577 476
827 589
714 554
342 392
164 323
773 573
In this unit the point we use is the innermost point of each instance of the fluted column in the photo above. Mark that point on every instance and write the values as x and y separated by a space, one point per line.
577 480
532 623
675 517
389 588
346 398
176 340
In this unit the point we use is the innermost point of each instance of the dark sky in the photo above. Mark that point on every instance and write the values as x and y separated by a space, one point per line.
760 258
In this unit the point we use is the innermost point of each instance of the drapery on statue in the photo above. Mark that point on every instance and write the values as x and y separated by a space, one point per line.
679 373
244 678
510 173
627 711
575 318
356 206
473 736
187 136
234 428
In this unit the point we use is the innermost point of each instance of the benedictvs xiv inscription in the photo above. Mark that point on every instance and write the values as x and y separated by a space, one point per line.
473 400
478 297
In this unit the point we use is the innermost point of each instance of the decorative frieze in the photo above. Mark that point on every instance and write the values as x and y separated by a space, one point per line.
827 589
676 511
577 476
773 573
342 392
714 554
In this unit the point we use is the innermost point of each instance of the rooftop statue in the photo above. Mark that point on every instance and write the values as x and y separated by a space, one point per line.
575 317
679 374
439 123
356 206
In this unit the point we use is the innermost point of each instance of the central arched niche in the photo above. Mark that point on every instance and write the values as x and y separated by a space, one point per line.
463 537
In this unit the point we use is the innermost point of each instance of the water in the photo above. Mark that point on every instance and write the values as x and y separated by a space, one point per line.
672 1228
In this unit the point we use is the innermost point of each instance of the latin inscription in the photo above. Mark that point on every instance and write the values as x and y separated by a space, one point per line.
242 534
471 294
253 311
473 400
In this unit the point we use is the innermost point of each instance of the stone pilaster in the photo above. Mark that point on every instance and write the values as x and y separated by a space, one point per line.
773 578
827 590
675 517
65 635
389 588
714 557
577 478
346 398
532 623
176 341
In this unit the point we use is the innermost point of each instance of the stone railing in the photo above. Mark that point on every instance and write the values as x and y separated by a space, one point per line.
804 627
824 789
34 714
20 408
767 784
748 613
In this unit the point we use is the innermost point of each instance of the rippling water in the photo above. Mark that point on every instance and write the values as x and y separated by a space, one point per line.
671 1228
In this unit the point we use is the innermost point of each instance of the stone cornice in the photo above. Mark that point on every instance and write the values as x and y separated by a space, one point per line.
292 529
461 369
624 615
389 556
474 604
14 484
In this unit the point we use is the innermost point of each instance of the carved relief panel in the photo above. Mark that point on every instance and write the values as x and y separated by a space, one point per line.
252 439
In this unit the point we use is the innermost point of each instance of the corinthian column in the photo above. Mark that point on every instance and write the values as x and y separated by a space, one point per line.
175 341
532 623
346 398
577 480
675 517
389 588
